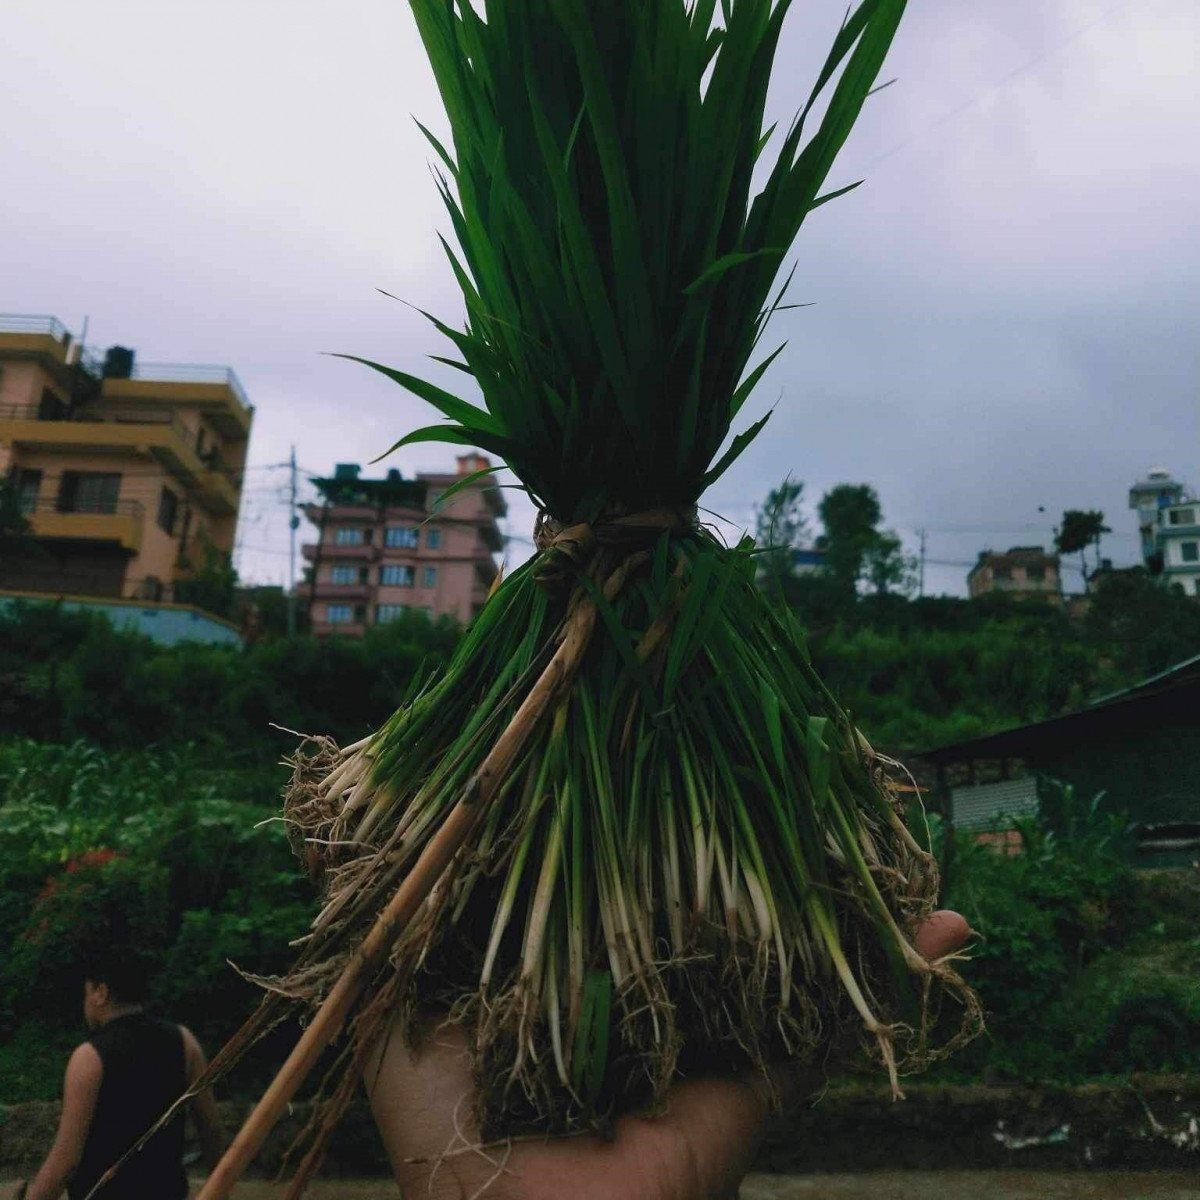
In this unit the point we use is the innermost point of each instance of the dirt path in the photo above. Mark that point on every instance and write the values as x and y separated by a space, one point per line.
905 1185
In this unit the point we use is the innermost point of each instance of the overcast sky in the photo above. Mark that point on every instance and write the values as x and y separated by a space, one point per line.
1005 316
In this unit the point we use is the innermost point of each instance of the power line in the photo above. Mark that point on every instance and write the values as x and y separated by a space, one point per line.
970 103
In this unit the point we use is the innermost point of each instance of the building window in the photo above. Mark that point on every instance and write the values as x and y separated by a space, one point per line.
339 614
343 575
89 491
433 539
29 481
1181 516
401 535
428 611
430 577
1190 551
389 612
52 407
348 536
1002 572
168 506
396 576
1035 574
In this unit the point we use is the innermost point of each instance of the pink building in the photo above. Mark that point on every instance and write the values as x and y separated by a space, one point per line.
381 549
1023 572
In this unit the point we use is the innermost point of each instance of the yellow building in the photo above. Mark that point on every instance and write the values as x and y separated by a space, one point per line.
125 470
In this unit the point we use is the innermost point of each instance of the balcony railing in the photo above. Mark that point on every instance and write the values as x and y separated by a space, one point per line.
33 323
29 505
325 590
210 458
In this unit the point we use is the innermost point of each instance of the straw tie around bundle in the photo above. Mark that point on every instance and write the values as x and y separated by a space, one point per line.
566 550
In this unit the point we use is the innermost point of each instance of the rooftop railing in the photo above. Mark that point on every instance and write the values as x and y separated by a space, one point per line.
91 358
33 323
192 373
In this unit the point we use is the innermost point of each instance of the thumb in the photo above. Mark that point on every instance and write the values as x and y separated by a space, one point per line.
942 933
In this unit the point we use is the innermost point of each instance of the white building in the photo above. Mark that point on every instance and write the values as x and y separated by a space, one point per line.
1149 496
1169 522
1178 541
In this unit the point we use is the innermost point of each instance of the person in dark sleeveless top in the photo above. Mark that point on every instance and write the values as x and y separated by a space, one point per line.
118 1083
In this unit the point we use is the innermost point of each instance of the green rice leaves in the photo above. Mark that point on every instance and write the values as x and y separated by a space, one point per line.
615 261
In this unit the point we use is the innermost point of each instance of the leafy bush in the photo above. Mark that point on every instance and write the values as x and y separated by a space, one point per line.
1061 962
157 848
73 676
914 687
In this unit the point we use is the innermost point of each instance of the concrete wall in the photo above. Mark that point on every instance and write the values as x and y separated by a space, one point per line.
21 384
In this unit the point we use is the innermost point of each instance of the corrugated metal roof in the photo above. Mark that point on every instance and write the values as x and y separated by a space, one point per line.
989 805
1178 671
1017 741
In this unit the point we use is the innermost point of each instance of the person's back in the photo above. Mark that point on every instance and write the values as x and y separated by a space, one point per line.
118 1084
144 1072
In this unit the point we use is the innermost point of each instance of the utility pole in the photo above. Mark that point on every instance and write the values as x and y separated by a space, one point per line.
293 522
921 584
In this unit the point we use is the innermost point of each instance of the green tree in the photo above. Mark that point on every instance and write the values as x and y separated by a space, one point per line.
1139 625
16 531
850 514
1080 529
887 568
780 528
856 549
210 583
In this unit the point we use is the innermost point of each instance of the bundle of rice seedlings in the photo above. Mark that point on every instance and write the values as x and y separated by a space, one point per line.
628 832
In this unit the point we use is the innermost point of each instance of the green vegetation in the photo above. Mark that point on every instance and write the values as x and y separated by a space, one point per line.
927 672
1084 966
71 675
916 673
1079 530
183 858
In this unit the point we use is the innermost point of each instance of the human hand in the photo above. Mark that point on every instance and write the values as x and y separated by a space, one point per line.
699 1149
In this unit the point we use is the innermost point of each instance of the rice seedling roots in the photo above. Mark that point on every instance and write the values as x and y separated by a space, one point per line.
683 856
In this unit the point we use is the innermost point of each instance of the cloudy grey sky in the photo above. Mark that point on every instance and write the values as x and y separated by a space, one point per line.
1005 315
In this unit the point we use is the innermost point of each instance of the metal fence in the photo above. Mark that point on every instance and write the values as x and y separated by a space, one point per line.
99 507
211 458
192 373
989 806
33 323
